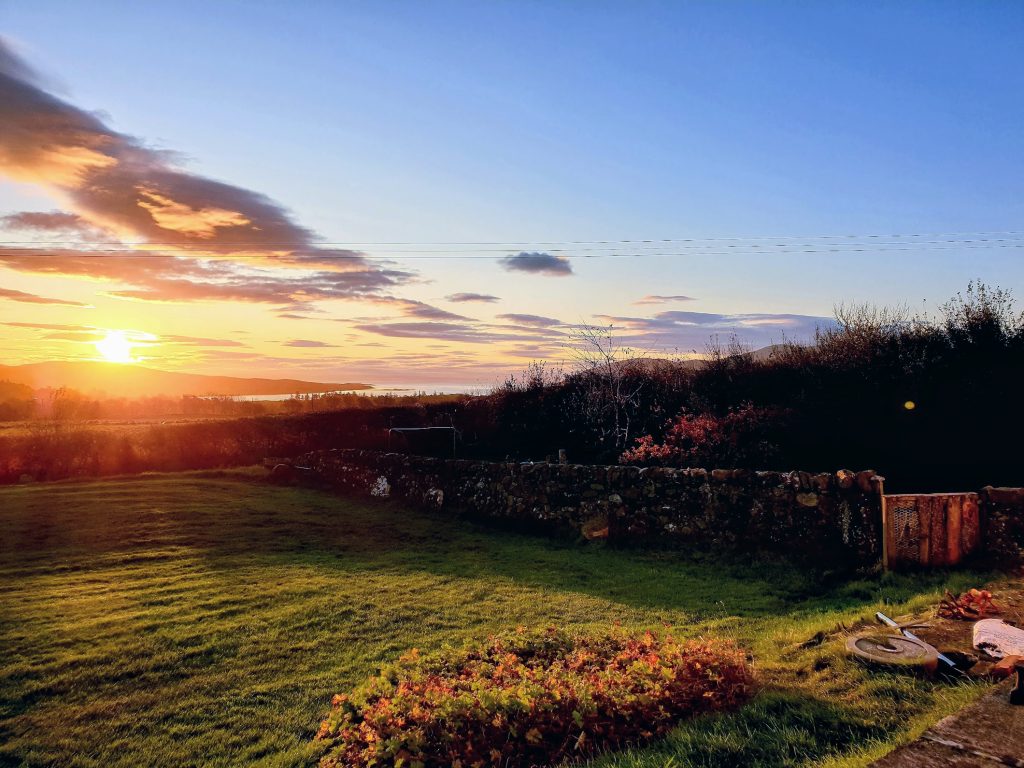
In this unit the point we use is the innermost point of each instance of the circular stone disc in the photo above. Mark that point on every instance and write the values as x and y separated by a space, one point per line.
893 651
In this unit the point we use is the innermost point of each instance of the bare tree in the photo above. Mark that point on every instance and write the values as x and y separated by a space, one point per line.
608 396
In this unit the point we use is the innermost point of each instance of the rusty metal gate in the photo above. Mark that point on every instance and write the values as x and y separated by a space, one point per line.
929 529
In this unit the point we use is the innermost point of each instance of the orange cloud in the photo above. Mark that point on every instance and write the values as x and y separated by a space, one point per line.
162 277
31 298
61 165
196 222
59 222
118 182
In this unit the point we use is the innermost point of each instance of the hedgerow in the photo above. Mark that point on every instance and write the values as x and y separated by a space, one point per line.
530 699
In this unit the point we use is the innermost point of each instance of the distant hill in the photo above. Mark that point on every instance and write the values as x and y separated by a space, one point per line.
659 364
116 380
767 353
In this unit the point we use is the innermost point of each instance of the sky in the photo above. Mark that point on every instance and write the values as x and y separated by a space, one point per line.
442 192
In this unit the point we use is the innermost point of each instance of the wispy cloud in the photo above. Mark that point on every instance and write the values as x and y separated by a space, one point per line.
471 333
424 330
31 298
161 277
655 299
468 297
198 341
51 326
82 336
309 343
58 222
420 309
537 264
531 320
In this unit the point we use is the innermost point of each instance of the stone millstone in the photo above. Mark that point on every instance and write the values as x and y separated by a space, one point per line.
893 651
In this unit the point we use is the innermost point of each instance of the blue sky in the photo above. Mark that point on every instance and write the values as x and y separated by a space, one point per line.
525 122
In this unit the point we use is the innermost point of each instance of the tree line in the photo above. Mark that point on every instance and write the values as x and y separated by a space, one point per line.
933 403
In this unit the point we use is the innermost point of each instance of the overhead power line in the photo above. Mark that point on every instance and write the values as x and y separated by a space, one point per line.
768 245
381 256
523 244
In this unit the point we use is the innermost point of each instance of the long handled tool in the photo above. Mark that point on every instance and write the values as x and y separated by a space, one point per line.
943 659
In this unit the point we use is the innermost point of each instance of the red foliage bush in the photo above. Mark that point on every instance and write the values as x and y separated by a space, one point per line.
740 438
530 699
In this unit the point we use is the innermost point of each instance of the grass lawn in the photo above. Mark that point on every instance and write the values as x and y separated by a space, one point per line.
207 618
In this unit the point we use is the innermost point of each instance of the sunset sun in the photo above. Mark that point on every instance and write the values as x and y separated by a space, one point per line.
116 348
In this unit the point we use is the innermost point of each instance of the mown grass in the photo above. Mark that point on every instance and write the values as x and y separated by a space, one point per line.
207 618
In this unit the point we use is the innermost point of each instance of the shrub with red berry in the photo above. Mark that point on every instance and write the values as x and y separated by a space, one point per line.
531 699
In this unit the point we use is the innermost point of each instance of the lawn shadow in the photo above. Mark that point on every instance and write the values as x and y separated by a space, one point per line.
223 518
371 534
779 727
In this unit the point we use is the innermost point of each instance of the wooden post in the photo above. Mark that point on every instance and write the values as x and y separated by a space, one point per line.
888 543
970 524
954 509
924 525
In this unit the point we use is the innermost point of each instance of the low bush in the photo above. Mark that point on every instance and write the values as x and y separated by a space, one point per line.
741 438
529 699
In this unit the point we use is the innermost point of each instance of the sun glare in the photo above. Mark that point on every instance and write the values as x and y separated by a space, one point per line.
116 347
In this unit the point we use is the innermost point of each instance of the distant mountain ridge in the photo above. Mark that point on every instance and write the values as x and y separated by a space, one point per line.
117 380
660 364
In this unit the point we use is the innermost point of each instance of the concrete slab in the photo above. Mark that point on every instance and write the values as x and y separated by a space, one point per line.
988 733
925 754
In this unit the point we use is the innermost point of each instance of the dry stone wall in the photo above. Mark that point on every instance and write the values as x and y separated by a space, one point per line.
831 520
